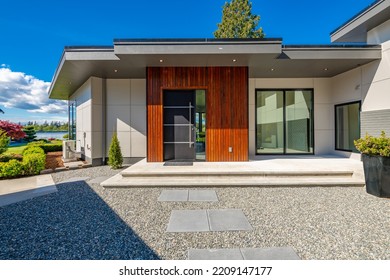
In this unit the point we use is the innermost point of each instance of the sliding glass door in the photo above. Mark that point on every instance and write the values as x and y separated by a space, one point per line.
284 121
269 122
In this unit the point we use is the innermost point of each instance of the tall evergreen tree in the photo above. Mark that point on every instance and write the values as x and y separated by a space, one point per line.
115 158
30 133
238 21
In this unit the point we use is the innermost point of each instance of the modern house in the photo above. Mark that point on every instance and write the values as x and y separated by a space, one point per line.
233 99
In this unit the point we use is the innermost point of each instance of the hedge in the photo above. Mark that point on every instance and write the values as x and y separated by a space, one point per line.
10 169
47 147
33 163
33 150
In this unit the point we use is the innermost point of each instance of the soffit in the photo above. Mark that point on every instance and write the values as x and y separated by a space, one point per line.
78 64
355 29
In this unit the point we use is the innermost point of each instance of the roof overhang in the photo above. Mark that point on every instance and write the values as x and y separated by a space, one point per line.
355 29
264 58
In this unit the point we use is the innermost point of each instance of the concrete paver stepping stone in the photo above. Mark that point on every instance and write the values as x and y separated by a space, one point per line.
214 254
202 195
188 221
228 220
173 195
273 253
188 195
208 220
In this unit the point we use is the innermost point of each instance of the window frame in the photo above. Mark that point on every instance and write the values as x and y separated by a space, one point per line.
336 126
284 90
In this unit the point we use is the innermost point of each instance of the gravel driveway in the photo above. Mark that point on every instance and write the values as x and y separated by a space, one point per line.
85 221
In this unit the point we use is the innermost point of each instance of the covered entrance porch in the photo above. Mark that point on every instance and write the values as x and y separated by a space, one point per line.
175 113
308 171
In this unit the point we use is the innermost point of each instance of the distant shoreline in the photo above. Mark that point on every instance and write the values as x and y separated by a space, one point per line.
50 131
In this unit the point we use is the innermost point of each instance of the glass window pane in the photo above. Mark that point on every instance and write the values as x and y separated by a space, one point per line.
200 125
299 134
347 126
269 122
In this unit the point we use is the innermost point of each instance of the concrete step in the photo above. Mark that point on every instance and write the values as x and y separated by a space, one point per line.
226 181
231 173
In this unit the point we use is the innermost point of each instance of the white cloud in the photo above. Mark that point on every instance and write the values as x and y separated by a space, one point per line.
21 91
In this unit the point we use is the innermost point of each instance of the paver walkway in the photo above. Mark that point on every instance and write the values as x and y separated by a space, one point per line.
16 190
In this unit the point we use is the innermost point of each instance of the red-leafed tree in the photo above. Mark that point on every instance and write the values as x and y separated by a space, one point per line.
13 130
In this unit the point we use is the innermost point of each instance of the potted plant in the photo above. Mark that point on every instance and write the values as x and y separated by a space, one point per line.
376 163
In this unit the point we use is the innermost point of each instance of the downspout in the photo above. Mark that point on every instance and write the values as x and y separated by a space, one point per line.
104 118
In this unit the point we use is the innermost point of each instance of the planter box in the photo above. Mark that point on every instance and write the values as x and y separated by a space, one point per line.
377 175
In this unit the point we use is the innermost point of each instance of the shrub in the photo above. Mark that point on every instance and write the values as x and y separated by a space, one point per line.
33 163
32 150
115 158
66 136
10 169
47 147
370 145
8 157
4 141
51 147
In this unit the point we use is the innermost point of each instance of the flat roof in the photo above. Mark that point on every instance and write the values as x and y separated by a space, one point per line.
265 58
356 28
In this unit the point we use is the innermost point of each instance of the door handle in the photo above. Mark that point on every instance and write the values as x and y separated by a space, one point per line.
190 126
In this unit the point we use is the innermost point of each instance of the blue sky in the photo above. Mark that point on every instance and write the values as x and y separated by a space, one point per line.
33 34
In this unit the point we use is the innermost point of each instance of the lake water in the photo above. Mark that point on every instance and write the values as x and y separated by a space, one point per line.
51 134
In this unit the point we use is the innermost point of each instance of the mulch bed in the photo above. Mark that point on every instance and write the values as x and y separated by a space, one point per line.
53 160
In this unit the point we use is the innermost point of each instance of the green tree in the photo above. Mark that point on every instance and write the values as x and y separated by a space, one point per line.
238 21
4 141
115 158
30 133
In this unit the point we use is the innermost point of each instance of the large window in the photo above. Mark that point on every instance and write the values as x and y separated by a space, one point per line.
347 118
284 121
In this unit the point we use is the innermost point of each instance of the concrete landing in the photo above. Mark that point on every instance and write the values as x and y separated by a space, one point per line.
273 253
312 171
16 190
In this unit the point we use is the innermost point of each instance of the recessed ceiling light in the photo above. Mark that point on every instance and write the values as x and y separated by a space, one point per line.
115 70
325 69
234 60
161 60
272 69
220 48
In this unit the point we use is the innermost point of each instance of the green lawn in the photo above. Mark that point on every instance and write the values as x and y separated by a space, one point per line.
19 149
15 150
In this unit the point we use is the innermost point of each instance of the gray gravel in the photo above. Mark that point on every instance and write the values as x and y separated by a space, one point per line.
85 221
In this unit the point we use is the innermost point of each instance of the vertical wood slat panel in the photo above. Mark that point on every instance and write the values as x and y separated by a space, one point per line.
227 108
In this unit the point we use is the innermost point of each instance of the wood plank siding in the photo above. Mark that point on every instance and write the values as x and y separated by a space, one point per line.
226 108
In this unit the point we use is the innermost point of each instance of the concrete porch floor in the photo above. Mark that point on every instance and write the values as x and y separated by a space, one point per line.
268 171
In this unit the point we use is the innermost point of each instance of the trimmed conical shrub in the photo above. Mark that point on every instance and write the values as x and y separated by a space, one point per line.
115 158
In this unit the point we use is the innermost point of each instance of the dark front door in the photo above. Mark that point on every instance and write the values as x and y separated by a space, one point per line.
179 118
